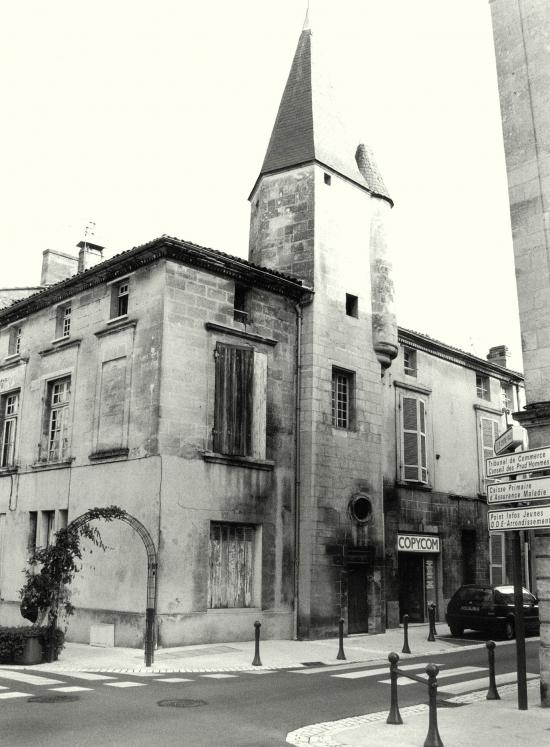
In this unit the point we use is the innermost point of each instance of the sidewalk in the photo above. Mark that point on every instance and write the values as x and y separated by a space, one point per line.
217 657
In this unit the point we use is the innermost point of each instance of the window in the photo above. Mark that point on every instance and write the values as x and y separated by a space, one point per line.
240 401
352 305
328 179
231 577
47 534
33 529
488 432
482 386
9 404
14 344
240 312
507 396
414 460
56 441
63 321
342 398
497 556
409 361
119 298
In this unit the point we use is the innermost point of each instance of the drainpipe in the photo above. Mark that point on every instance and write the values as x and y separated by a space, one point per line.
297 460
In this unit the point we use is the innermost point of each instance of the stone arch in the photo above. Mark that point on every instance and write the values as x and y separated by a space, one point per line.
152 564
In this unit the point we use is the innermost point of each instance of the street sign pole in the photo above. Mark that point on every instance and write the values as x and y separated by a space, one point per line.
519 624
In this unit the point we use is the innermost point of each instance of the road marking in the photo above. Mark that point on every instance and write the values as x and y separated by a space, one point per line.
482 683
124 684
219 676
14 695
376 672
144 674
173 679
87 676
449 673
28 679
71 689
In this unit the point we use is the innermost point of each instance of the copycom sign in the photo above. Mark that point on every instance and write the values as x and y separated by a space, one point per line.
417 543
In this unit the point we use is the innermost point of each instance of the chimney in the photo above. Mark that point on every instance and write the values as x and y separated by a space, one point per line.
57 266
499 355
89 255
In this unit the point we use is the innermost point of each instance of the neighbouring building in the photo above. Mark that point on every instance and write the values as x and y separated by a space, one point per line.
521 30
293 455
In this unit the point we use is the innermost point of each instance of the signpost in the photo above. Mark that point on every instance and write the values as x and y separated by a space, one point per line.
516 518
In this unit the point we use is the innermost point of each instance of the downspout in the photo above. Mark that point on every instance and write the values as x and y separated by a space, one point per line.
297 461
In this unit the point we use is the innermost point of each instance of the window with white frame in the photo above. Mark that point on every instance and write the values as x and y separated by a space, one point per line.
497 557
482 387
9 410
342 398
232 562
488 430
56 441
14 343
120 293
507 397
409 361
413 438
63 321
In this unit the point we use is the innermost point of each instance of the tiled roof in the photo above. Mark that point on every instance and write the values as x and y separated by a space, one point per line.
308 128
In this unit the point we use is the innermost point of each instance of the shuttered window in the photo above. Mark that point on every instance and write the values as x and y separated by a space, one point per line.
498 558
488 429
231 565
414 462
240 401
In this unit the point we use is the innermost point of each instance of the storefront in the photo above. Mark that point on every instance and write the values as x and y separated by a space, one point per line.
419 574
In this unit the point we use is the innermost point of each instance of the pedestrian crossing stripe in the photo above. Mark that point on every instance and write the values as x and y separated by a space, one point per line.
376 672
27 679
5 696
448 673
481 684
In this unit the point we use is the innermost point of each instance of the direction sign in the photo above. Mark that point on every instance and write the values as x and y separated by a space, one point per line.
532 460
519 490
514 519
512 437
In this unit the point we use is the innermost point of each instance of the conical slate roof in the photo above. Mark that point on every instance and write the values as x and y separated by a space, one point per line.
308 128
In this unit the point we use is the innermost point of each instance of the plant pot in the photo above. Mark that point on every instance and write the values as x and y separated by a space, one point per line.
32 652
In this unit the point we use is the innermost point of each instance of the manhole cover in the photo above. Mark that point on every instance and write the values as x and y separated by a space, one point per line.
181 703
52 699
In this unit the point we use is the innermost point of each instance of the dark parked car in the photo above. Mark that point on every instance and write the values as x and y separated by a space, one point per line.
491 609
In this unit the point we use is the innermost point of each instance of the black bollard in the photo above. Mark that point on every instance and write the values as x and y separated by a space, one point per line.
341 654
257 662
492 692
405 649
394 717
432 739
431 619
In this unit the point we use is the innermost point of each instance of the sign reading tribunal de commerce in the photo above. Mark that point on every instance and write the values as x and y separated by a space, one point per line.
417 543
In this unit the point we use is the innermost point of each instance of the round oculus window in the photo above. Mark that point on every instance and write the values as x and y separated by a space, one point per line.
361 508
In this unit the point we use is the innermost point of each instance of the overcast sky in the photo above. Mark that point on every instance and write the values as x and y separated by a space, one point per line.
153 116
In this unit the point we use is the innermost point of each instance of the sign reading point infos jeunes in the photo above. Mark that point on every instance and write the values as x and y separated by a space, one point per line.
532 460
514 519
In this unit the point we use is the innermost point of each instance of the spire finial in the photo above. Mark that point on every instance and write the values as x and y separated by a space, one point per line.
307 26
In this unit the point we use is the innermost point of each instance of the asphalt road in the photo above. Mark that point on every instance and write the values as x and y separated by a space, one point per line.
244 709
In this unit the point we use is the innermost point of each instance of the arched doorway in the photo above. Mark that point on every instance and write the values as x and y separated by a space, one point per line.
150 609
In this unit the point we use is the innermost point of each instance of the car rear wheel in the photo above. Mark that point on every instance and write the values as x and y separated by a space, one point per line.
509 631
456 630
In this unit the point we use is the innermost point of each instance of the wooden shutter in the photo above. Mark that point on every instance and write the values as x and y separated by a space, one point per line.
231 565
489 432
414 451
233 400
497 557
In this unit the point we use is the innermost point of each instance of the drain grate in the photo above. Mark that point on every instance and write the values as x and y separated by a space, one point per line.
52 699
181 703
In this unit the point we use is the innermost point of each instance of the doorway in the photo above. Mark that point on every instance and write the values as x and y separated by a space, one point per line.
358 608
411 586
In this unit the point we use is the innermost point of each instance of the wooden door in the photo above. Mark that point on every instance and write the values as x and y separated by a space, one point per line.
358 610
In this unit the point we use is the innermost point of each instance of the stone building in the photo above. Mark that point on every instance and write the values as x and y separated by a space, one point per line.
247 414
521 30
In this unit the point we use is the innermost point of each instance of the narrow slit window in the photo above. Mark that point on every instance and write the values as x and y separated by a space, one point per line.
352 305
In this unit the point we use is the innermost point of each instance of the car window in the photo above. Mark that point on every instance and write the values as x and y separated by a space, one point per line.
467 595
508 598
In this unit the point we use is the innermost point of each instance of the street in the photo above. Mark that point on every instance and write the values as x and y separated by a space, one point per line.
256 707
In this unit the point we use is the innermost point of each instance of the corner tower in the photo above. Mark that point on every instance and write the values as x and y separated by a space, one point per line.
319 211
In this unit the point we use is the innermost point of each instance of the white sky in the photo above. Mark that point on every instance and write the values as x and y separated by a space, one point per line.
153 116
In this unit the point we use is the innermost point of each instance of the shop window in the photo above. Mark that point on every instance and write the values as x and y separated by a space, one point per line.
119 298
409 361
9 410
240 401
352 305
342 398
488 430
414 455
497 555
55 440
483 390
14 343
240 304
63 321
231 577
